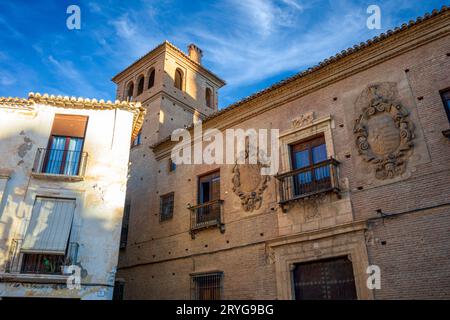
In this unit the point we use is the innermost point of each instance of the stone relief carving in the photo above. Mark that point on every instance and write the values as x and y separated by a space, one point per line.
303 120
383 131
249 184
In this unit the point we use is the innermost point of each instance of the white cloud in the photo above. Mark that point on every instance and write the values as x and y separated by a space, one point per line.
76 82
125 28
6 79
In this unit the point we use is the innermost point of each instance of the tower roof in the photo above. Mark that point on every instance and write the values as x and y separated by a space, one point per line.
167 45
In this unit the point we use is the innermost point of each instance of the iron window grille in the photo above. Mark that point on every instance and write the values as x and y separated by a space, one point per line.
207 286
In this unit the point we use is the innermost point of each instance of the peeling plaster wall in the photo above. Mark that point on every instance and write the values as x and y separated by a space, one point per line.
99 196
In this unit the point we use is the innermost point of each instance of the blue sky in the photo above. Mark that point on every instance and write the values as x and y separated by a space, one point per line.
249 43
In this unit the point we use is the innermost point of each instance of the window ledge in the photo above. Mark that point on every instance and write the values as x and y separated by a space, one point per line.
33 278
446 133
58 177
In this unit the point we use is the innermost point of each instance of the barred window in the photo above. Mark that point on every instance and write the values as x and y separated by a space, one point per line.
166 207
207 286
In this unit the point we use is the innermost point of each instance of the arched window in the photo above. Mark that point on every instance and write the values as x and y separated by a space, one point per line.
151 78
140 85
178 79
130 91
208 97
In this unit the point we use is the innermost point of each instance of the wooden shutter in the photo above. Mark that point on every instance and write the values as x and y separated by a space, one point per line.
69 125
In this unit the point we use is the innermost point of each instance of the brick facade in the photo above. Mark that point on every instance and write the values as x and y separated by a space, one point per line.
400 223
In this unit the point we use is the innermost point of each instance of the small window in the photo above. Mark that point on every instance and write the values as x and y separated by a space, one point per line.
151 79
138 140
178 79
208 98
172 166
446 100
207 286
166 207
140 85
130 90
125 223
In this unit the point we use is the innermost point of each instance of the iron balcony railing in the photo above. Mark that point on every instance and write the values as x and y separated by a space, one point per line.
207 215
60 162
308 181
39 263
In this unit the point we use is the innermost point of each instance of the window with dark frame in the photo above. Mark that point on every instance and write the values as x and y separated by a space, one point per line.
308 154
207 286
125 223
209 187
65 146
166 207
445 95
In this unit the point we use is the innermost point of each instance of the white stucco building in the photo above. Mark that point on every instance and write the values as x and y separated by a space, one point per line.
63 173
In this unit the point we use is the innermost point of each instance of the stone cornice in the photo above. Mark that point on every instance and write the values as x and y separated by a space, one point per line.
166 45
77 103
388 45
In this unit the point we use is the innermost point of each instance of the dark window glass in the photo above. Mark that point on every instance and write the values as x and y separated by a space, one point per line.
166 207
306 155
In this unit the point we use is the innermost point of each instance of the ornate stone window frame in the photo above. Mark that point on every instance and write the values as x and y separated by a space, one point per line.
303 128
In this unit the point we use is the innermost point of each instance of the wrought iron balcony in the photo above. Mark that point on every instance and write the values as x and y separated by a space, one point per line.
39 263
60 163
308 181
207 215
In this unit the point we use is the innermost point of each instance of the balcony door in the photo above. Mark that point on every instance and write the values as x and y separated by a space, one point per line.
209 187
65 146
64 155
307 156
209 194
